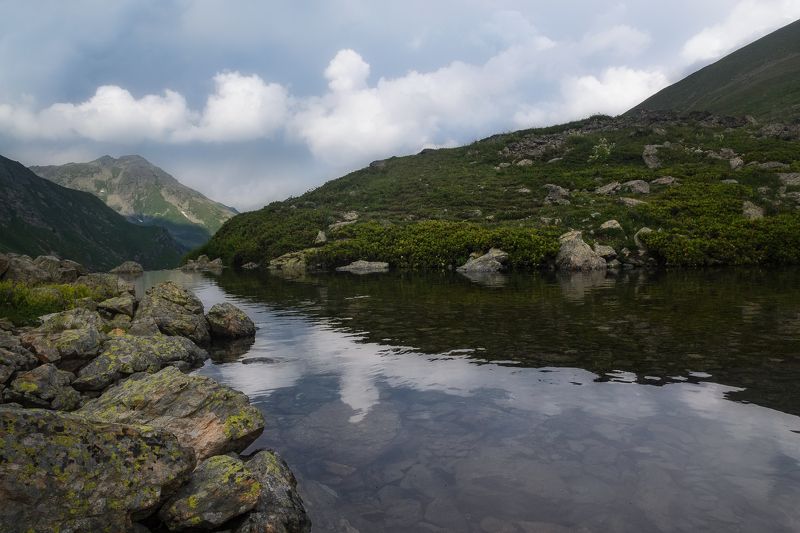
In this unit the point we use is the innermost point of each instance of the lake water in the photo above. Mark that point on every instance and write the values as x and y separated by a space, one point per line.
529 403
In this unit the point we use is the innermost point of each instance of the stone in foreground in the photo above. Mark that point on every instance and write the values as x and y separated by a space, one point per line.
364 267
576 255
228 321
493 261
220 488
175 311
208 417
60 472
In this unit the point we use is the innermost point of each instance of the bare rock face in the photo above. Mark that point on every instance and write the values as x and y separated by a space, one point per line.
364 267
494 260
228 321
576 255
175 311
208 417
128 267
61 472
220 488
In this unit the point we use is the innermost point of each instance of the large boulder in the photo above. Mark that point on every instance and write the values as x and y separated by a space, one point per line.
202 264
104 286
175 311
494 260
124 305
752 211
637 186
228 321
13 357
575 255
45 386
291 264
21 268
608 188
650 156
208 417
280 508
128 267
556 195
364 267
68 339
220 488
124 355
61 472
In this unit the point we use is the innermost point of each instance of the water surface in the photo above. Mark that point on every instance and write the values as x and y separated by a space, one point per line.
643 402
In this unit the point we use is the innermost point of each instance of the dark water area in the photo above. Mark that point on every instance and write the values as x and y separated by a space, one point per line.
644 402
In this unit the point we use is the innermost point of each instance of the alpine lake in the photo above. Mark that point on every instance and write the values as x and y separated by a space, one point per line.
642 401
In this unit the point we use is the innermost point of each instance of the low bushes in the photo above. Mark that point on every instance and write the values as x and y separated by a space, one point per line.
22 304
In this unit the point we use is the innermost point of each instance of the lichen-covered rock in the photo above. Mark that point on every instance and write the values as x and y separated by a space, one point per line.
608 188
45 386
21 268
175 311
69 339
493 261
61 472
364 267
14 360
280 508
124 355
105 286
637 186
220 489
291 264
208 417
574 254
611 226
228 321
128 267
125 304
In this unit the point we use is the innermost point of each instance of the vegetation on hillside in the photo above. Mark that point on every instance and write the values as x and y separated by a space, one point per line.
23 304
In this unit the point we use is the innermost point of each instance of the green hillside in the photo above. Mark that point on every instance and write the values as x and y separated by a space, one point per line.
760 80
144 194
40 217
433 209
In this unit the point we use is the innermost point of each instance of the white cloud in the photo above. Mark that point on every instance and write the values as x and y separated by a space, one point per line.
621 39
748 20
615 91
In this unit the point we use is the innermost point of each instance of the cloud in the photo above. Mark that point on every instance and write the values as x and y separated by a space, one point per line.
748 20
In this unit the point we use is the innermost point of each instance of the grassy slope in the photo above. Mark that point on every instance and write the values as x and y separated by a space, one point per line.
758 80
701 218
40 217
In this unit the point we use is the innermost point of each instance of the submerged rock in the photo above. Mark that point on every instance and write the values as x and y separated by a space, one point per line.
250 266
493 261
228 321
128 267
364 267
574 254
208 417
175 311
61 472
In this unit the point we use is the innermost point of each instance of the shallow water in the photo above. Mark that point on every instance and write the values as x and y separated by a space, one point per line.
646 402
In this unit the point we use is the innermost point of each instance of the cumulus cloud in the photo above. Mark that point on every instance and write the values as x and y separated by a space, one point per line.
748 20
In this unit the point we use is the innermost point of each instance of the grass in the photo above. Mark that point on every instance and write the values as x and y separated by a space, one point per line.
23 304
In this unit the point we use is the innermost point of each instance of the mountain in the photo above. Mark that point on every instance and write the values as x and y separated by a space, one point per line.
40 217
145 195
715 190
760 79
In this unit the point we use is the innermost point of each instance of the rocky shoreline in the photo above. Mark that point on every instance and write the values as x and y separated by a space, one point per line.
103 429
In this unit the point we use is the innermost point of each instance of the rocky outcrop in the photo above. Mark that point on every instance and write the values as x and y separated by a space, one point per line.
202 264
208 417
175 311
21 268
494 260
364 267
575 255
60 472
791 179
128 267
43 269
220 488
45 386
228 321
124 355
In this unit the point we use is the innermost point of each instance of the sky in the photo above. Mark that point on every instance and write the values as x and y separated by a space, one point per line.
250 101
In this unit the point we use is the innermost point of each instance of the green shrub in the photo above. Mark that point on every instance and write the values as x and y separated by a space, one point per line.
23 304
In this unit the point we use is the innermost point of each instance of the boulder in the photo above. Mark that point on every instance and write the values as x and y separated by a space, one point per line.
104 286
751 211
556 195
220 489
772 165
68 339
791 179
608 188
250 266
228 321
123 355
665 180
637 238
637 186
291 264
52 265
279 508
321 238
61 472
21 268
631 202
364 267
202 264
736 163
611 226
128 267
13 357
494 260
73 265
574 254
175 311
45 386
524 163
650 156
606 252
208 417
124 305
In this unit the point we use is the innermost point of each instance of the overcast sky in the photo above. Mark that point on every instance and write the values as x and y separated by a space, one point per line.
251 101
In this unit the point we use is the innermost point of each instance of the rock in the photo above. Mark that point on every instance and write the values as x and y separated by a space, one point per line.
202 264
321 238
637 238
144 327
208 417
773 165
494 260
730 181
128 267
504 165
45 386
291 264
665 180
73 265
220 488
69 339
555 160
751 211
123 355
611 226
609 188
13 357
631 202
650 156
524 163
124 304
606 252
105 286
52 265
524 190
556 195
4 261
350 216
250 266
279 508
791 179
736 163
364 267
637 186
378 164
175 311
575 254
21 268
227 320
614 264
61 472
